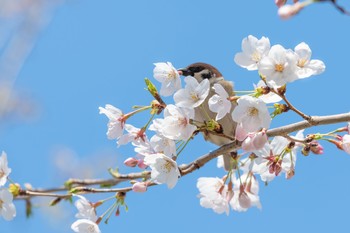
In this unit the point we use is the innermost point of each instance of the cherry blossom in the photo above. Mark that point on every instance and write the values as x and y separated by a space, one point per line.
168 76
246 190
4 169
85 226
252 113
85 209
253 50
164 169
219 102
213 194
274 158
7 208
163 145
306 66
176 123
279 66
134 135
115 124
193 94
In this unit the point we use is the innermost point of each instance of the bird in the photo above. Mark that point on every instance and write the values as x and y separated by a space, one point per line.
201 71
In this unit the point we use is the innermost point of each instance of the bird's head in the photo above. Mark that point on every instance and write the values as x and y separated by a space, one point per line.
201 71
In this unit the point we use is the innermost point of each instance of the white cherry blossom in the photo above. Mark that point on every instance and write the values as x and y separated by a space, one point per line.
163 145
246 190
164 169
176 123
279 66
253 50
307 67
85 208
4 169
219 102
267 164
85 226
213 194
168 76
134 135
252 113
193 94
115 124
7 208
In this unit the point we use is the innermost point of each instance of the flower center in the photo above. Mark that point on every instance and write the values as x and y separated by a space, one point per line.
182 121
256 56
172 75
1 202
279 67
253 111
91 229
168 166
302 62
194 96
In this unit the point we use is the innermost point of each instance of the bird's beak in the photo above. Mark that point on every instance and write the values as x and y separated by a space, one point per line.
184 72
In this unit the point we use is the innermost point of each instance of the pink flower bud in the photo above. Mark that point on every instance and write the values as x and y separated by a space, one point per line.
287 11
316 148
141 164
241 134
260 139
139 187
131 162
255 141
280 3
247 144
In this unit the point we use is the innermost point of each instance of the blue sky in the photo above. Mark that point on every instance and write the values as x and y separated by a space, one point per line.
93 53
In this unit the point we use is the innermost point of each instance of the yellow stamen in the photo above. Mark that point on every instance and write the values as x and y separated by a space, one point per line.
279 67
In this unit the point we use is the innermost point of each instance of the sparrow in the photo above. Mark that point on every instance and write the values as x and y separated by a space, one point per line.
201 71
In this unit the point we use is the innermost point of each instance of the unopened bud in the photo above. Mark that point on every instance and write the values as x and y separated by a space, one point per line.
131 162
240 134
139 187
287 11
280 3
316 148
141 164
260 139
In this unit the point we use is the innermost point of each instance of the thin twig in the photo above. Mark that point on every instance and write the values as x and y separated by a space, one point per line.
185 168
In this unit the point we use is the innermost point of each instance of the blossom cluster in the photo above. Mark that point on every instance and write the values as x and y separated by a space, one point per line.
276 67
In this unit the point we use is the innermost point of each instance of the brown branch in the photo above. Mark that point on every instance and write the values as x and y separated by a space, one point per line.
184 168
316 120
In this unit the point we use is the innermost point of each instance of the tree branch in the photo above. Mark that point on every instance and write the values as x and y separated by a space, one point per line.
184 168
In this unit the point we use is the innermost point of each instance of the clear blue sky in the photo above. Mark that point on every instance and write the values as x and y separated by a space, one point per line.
98 52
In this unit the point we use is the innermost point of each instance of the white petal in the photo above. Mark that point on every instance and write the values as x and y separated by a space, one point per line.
8 211
85 226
